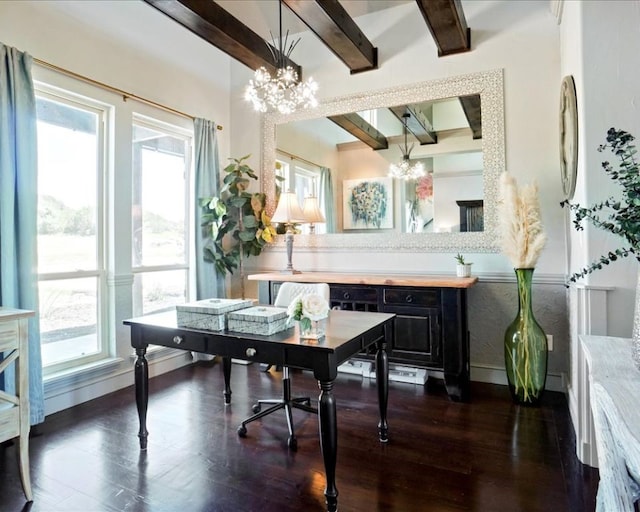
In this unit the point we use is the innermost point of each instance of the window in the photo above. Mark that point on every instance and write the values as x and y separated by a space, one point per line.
71 267
160 202
114 193
304 180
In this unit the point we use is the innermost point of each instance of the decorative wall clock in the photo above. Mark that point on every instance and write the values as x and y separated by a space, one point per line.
568 136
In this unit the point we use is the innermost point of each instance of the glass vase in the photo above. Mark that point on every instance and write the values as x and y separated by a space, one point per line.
525 347
311 329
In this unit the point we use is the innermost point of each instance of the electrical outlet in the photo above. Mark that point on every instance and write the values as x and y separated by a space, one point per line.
550 342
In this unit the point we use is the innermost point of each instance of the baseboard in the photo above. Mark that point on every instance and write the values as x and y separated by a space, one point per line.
77 393
479 373
497 375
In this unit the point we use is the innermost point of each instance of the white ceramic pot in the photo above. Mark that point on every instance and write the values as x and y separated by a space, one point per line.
463 270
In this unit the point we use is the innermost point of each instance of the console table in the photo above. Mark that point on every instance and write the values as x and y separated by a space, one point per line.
614 389
346 334
431 316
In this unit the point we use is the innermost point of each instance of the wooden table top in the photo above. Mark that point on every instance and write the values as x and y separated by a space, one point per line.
425 281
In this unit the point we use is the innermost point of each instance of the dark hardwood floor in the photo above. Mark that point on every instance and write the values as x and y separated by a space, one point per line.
486 455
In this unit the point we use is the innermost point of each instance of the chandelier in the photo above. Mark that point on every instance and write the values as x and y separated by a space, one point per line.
405 169
285 92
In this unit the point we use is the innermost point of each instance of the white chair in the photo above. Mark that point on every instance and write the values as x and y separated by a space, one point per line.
286 293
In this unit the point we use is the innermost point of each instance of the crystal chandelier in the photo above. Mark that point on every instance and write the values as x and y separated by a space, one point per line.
406 170
284 92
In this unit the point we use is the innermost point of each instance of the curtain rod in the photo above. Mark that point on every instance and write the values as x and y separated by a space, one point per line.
124 94
294 157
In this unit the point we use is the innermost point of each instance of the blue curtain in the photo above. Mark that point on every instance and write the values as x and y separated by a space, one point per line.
207 184
326 199
18 209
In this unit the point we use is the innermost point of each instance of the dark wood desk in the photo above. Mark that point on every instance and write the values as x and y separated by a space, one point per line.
347 333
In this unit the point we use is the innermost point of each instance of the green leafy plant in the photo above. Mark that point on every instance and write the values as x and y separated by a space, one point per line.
237 220
460 259
620 216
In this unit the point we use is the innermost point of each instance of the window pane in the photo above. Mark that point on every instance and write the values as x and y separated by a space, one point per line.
68 319
159 184
68 159
155 291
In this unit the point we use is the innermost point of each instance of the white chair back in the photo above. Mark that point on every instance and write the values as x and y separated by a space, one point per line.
289 291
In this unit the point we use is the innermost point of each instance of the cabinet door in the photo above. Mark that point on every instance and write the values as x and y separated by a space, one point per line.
417 337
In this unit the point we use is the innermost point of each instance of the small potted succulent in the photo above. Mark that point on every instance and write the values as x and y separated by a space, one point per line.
463 269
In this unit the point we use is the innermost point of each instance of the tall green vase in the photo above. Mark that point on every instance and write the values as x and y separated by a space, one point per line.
525 348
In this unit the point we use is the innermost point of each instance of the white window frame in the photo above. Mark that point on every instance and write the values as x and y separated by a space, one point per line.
104 113
188 135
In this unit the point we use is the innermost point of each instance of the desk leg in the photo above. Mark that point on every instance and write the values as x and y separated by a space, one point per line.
329 441
382 380
141 375
226 370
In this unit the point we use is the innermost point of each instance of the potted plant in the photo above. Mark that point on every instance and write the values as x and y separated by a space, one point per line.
620 216
463 269
239 225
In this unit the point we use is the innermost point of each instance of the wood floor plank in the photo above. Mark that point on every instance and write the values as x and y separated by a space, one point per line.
486 455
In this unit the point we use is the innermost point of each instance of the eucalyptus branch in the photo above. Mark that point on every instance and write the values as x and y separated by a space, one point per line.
622 215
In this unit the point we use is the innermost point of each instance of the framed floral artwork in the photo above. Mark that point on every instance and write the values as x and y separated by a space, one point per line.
367 203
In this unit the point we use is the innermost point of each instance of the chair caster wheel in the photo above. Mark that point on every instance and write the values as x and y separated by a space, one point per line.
292 442
242 431
256 408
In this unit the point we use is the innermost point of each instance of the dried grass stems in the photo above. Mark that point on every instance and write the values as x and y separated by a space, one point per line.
521 229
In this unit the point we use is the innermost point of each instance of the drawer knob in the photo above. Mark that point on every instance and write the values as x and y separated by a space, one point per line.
409 298
177 340
346 295
250 352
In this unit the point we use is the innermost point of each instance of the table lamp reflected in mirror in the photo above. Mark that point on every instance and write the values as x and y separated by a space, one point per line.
312 213
289 213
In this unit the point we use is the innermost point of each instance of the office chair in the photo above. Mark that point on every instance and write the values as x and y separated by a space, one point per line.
286 294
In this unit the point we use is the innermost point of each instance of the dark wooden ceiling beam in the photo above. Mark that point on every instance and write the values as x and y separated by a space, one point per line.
337 30
417 124
212 23
446 22
473 113
362 130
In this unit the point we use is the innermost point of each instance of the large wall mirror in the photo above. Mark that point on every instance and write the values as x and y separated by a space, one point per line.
453 127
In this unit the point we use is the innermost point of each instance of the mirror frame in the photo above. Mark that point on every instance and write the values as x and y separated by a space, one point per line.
489 84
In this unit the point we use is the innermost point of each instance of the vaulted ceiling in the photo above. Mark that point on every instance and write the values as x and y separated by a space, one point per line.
331 22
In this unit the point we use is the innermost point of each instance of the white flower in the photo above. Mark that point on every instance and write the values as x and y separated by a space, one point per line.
314 306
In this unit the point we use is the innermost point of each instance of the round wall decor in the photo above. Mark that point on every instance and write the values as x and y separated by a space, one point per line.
568 136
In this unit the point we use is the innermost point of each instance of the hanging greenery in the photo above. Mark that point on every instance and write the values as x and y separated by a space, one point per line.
238 223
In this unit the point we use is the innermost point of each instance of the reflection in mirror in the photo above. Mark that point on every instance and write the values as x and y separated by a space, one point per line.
342 151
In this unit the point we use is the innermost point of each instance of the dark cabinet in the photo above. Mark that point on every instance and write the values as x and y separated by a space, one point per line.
430 326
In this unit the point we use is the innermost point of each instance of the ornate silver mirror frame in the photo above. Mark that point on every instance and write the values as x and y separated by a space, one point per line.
489 84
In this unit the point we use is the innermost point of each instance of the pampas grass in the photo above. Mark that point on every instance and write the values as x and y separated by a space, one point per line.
521 230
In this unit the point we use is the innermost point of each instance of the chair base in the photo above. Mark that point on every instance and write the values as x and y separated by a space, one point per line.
287 403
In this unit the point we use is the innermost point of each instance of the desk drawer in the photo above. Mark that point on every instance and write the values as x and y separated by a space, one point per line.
412 297
256 351
184 341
